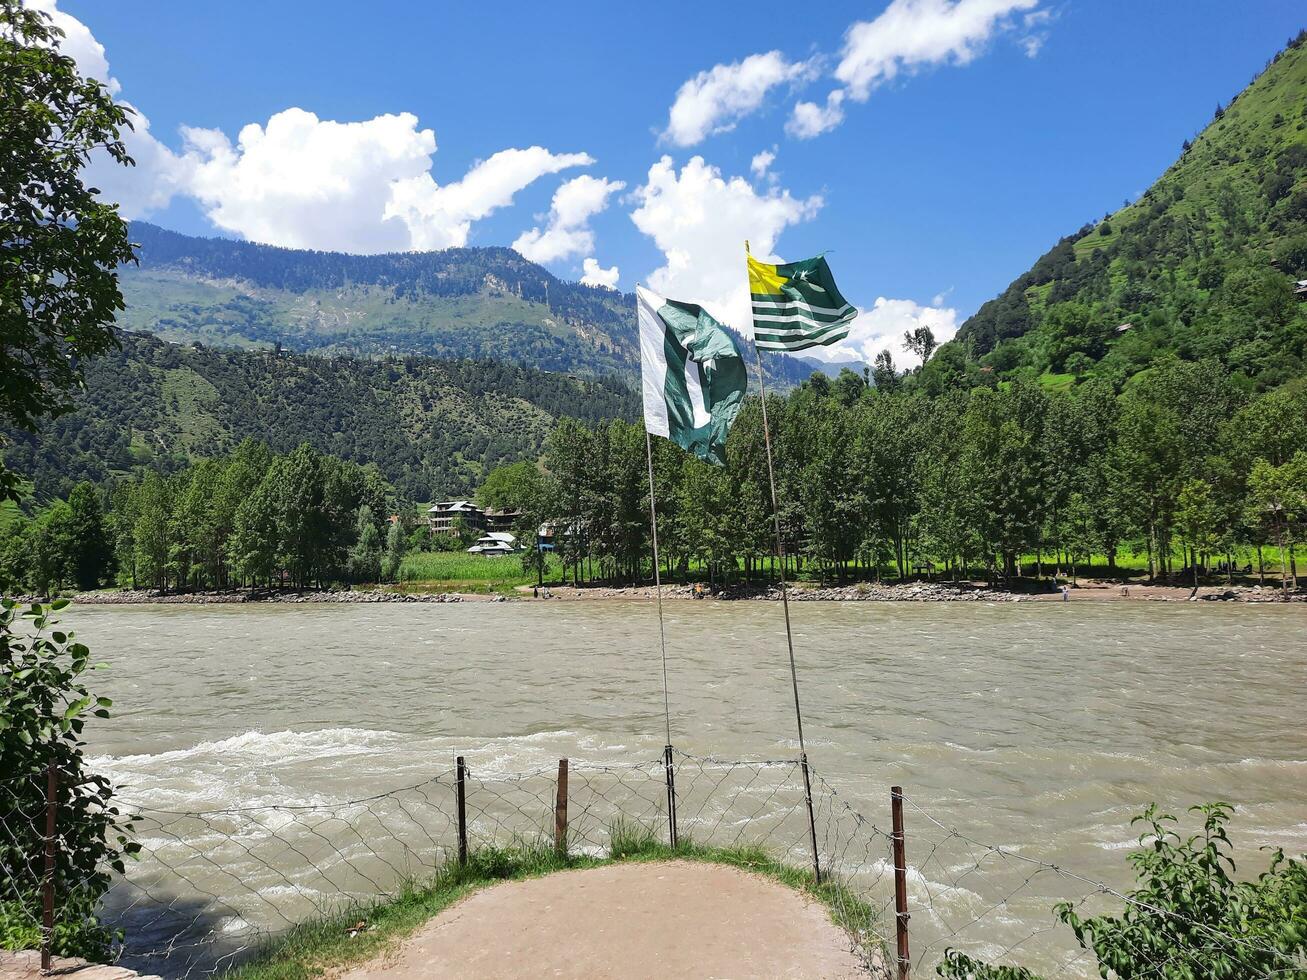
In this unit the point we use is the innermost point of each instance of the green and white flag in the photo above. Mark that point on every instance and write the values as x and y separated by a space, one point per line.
693 375
796 305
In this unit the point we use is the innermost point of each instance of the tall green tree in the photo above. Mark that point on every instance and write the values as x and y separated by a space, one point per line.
153 530
94 554
365 555
59 242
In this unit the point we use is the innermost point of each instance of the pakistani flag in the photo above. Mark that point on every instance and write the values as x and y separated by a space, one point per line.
796 305
693 375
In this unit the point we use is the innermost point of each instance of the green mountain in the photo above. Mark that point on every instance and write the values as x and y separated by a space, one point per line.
436 366
1203 265
434 428
460 302
457 303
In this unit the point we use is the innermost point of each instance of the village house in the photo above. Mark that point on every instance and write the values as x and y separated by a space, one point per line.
494 543
451 516
445 517
501 520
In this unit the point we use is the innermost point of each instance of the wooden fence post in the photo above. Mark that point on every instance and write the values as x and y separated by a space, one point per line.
900 883
560 810
460 788
47 879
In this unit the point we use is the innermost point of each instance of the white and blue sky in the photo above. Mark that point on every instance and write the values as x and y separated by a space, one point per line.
934 148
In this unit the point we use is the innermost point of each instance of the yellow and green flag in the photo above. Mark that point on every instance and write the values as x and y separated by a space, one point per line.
796 305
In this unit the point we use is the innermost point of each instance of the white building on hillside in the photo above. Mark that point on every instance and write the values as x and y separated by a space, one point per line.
494 543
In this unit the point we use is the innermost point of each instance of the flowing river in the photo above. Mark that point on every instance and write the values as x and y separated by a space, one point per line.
1038 727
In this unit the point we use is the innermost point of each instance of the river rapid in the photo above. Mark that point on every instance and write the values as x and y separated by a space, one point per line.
1038 727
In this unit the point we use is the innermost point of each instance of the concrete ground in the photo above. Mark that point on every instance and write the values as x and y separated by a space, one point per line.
27 966
662 919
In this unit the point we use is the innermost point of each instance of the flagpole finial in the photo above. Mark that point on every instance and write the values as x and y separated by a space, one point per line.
746 246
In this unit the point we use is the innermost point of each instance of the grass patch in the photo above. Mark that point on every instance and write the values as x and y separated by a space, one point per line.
362 932
457 571
1057 382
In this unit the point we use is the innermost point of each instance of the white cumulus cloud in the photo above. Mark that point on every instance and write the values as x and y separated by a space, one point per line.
700 220
567 231
911 34
305 182
597 275
882 327
441 216
810 119
761 162
713 101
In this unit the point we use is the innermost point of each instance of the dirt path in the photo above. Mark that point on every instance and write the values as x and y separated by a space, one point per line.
662 919
27 966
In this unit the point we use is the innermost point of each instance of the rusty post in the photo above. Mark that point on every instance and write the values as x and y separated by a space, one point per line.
47 879
900 883
460 789
812 819
560 810
669 766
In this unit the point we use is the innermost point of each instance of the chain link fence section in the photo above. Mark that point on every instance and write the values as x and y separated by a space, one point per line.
212 886
23 812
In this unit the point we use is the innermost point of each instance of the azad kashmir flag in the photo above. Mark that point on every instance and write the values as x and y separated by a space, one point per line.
796 305
693 375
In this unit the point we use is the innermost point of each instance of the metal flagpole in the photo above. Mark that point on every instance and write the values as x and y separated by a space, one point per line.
668 760
785 605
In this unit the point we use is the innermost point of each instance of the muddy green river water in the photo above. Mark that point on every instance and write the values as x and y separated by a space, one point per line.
1042 728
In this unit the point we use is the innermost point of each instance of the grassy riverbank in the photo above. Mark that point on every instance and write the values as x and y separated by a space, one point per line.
357 934
457 571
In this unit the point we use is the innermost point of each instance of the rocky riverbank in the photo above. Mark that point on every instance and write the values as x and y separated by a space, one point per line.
139 596
860 592
937 592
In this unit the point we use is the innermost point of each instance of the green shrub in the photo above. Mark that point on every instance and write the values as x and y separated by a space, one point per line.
44 706
1187 916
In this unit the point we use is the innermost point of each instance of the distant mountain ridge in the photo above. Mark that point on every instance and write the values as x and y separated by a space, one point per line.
482 303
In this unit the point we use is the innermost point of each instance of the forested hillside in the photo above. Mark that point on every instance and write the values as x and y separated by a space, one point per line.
1202 265
480 303
432 427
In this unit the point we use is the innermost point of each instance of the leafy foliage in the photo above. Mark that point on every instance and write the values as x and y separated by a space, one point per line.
1176 469
59 244
44 707
1187 916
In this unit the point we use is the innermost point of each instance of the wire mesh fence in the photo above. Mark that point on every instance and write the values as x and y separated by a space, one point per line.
211 887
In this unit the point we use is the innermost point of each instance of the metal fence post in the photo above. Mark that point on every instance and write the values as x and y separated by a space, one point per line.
812 819
47 878
670 767
460 790
900 883
560 810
